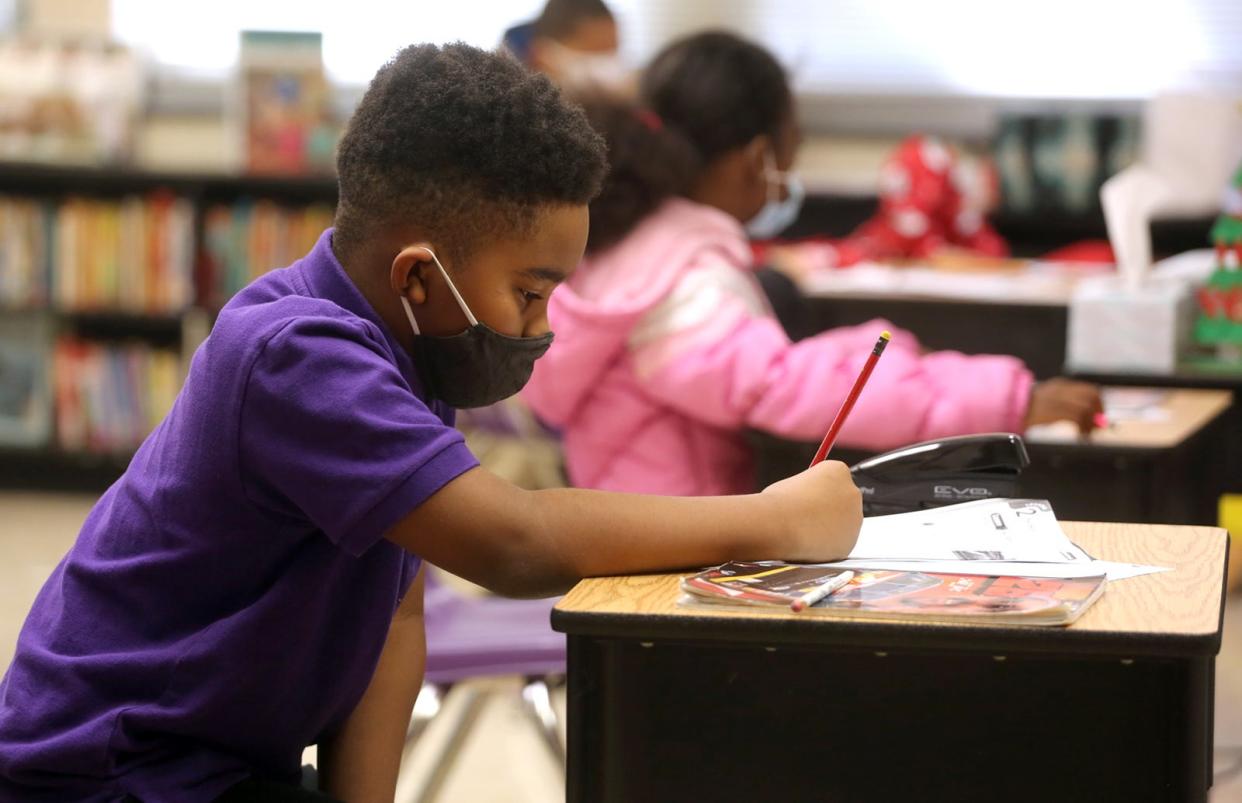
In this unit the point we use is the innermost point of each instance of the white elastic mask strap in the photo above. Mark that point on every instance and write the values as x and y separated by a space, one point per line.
774 178
409 313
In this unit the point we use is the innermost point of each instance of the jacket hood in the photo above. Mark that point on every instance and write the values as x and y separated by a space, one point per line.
594 312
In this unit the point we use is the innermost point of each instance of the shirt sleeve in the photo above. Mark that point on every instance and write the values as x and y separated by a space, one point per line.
329 429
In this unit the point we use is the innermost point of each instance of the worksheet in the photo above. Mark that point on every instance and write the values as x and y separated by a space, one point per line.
1023 530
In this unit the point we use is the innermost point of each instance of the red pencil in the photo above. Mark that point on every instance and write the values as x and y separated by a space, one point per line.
848 405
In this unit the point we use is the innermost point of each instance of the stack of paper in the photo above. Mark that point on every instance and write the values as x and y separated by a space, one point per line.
1016 537
994 561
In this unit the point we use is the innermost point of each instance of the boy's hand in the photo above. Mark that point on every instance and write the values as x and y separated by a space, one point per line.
1064 400
816 514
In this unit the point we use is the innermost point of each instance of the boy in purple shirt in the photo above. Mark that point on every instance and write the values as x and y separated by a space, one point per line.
252 584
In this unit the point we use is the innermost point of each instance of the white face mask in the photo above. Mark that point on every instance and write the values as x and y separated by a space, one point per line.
582 70
776 215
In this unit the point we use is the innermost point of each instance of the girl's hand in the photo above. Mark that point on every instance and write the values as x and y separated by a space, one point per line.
1064 400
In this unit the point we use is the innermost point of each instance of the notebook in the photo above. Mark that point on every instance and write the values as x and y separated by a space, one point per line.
910 595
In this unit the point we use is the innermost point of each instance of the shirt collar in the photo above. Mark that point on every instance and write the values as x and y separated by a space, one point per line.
326 278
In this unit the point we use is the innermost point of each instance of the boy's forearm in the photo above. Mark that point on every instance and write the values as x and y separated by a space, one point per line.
539 543
592 533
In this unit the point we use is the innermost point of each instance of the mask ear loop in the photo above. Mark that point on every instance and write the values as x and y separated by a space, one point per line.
772 176
409 313
452 288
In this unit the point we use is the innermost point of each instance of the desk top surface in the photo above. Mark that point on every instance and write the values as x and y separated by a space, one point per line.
1021 283
1172 613
1188 412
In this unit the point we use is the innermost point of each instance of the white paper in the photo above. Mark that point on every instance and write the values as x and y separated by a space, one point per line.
1015 537
1024 530
1090 568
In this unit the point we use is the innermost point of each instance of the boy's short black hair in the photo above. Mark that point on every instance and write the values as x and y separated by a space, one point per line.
467 143
719 90
560 18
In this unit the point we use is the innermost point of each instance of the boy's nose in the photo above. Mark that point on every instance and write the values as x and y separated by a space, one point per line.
537 328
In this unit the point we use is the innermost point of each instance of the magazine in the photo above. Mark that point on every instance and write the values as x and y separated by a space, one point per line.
760 582
887 594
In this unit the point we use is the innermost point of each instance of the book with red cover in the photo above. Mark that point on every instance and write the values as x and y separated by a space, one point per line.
920 596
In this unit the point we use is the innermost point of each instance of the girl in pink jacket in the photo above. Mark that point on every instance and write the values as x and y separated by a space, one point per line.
666 349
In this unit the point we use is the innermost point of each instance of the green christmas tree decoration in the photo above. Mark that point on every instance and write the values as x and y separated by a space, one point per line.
1220 301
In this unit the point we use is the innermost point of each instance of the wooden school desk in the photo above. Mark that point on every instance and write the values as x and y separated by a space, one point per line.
1202 375
1170 471
678 704
1018 311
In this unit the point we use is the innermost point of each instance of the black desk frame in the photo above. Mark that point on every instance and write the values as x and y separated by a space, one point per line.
676 708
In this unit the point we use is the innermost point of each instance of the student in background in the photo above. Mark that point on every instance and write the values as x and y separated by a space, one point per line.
253 582
666 348
573 42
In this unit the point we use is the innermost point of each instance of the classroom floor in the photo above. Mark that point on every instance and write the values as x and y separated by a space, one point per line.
503 760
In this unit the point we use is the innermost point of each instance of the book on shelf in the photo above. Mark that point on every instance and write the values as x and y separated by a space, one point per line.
135 254
244 240
287 120
109 396
25 242
25 382
928 596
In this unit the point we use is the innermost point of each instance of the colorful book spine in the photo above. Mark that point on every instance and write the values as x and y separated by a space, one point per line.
25 229
130 255
108 397
245 240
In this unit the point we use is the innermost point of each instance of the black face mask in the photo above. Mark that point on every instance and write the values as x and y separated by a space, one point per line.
477 367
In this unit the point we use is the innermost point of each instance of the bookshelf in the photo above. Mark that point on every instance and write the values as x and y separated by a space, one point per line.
176 316
110 277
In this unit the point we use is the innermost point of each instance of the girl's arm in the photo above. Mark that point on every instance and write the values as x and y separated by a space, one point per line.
740 370
359 762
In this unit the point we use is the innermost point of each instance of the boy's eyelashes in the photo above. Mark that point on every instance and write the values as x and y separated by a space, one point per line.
529 296
546 279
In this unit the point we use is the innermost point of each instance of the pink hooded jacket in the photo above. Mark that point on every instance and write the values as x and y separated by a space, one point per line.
666 351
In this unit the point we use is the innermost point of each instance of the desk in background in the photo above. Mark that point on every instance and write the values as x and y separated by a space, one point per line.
1017 311
1202 376
1168 472
675 704
1022 311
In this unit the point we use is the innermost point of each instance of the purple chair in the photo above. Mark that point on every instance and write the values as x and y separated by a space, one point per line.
475 637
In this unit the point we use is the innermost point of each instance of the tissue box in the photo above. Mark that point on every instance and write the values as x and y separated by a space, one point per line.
1115 328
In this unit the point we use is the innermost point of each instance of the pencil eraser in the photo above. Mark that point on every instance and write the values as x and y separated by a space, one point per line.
886 335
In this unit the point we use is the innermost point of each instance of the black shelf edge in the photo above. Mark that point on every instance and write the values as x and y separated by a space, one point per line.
35 178
49 468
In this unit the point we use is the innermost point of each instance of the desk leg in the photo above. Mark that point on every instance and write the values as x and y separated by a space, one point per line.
584 728
1209 708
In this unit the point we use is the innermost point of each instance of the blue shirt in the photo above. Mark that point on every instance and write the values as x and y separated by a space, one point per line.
227 599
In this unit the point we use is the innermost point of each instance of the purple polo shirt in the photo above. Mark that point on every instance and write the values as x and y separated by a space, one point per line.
227 599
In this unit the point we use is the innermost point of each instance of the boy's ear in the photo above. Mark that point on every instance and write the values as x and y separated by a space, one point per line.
410 270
